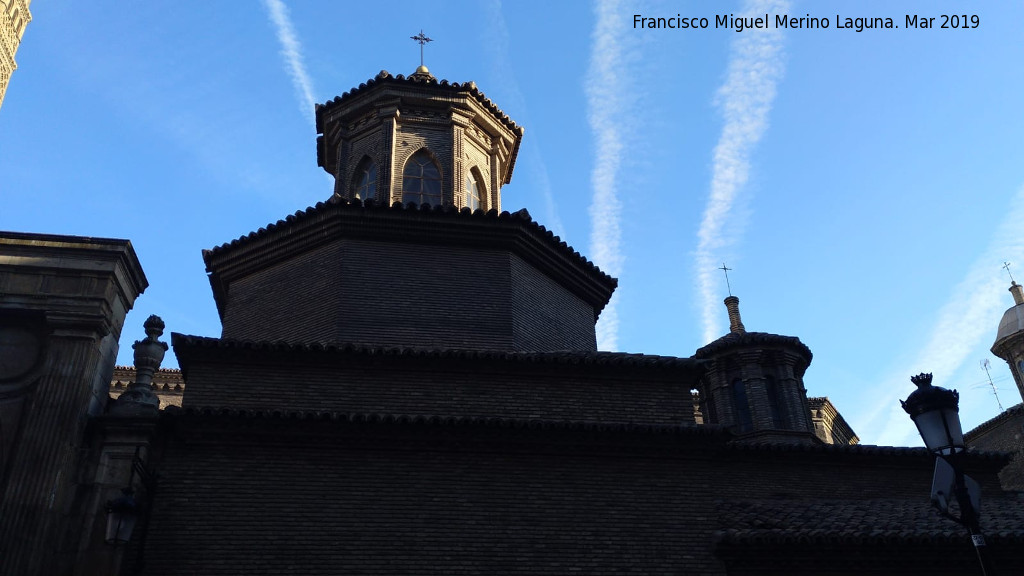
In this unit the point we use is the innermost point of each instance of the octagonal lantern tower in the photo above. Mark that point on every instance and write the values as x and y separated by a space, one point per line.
412 249
417 139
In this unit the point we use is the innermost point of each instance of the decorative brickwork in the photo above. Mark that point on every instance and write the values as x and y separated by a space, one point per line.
390 118
829 425
168 384
14 17
754 383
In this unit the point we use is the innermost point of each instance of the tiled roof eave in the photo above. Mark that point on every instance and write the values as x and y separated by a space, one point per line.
995 458
727 539
733 340
384 78
994 422
183 342
440 213
438 421
514 231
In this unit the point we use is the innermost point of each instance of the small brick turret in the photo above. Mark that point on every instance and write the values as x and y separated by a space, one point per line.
754 383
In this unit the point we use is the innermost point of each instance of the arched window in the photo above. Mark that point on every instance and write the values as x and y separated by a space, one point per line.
739 398
364 182
421 180
475 191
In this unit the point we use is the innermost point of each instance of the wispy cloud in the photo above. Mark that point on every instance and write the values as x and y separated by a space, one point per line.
497 43
755 67
964 324
605 111
291 51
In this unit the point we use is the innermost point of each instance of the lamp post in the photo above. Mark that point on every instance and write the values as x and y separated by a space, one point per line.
935 411
124 512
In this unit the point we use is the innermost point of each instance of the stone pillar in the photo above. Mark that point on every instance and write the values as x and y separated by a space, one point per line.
126 433
391 192
63 300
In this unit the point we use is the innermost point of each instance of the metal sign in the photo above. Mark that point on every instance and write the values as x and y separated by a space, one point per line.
944 488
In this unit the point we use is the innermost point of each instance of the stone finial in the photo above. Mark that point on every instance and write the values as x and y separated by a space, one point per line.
1018 293
732 304
149 353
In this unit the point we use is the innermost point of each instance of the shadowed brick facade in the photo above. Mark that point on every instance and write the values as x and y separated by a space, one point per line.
402 388
346 271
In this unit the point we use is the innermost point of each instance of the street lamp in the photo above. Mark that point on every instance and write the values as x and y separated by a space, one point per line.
935 411
122 512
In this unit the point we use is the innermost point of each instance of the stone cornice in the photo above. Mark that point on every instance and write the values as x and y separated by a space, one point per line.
62 267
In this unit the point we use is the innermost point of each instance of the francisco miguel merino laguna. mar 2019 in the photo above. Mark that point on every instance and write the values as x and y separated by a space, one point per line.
855 24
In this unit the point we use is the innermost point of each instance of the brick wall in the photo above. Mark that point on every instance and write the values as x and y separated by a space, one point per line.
396 294
545 316
253 499
404 294
427 385
278 509
289 300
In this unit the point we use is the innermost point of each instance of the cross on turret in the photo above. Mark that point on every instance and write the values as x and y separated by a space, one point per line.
422 39
726 270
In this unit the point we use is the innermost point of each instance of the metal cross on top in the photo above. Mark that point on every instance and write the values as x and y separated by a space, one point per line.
422 39
1007 266
726 270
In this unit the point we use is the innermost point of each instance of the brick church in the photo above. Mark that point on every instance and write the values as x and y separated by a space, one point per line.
408 382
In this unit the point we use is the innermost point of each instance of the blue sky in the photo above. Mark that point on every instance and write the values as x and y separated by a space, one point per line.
864 187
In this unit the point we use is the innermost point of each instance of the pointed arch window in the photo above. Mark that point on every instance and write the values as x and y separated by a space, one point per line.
421 180
364 182
475 192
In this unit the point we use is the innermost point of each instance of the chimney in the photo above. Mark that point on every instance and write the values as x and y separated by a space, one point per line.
1018 293
732 304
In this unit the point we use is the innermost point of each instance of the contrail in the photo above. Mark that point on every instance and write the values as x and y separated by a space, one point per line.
745 99
964 323
291 50
497 43
605 109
